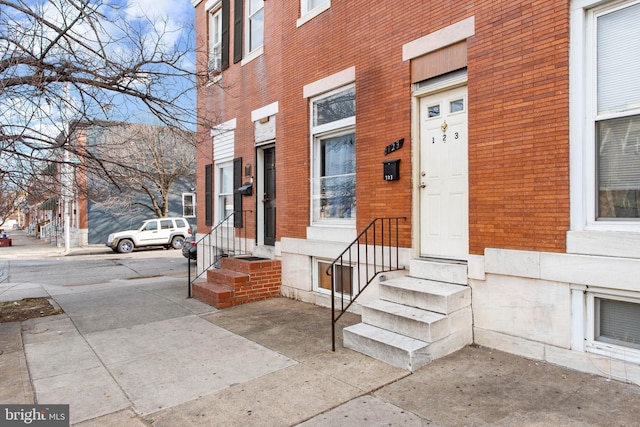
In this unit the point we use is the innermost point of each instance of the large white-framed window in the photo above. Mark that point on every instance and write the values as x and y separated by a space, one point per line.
613 324
333 152
254 25
605 112
188 205
309 9
617 111
215 41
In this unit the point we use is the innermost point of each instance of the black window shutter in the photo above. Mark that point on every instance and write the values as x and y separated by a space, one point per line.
238 19
208 199
237 197
225 34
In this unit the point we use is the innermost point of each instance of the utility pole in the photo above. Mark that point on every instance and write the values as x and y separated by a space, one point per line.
66 191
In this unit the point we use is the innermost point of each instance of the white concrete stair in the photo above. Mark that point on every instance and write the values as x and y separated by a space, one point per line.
439 270
431 295
416 320
410 321
395 349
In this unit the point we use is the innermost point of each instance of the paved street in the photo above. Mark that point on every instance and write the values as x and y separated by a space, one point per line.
137 351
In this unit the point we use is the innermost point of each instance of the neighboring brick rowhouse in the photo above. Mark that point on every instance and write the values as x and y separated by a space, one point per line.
239 281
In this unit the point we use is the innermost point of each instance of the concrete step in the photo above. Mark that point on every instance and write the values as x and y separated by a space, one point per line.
439 270
429 295
413 322
399 350
390 347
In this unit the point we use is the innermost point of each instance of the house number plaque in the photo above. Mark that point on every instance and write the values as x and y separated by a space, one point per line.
394 146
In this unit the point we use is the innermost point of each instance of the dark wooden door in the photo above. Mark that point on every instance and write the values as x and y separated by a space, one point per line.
269 198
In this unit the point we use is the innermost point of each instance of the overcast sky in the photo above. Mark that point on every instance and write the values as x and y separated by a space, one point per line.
177 10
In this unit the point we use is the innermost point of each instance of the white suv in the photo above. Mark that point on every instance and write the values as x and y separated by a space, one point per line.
167 232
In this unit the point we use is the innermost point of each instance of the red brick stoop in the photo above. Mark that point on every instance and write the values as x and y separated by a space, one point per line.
239 281
214 294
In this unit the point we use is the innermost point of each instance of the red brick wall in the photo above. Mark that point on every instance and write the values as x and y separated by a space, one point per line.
519 127
204 148
518 117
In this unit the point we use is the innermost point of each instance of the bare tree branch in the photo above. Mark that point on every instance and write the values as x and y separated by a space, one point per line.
142 165
83 61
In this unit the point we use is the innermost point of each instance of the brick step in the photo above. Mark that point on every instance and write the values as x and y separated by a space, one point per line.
231 278
248 264
240 280
214 294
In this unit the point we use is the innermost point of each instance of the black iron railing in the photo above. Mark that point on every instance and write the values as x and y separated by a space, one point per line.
374 251
222 241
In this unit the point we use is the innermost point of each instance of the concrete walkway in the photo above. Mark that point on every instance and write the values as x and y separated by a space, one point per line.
139 353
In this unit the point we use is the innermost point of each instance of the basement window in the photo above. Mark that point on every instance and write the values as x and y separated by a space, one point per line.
618 322
613 324
343 273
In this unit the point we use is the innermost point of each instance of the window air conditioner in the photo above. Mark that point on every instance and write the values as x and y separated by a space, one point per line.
215 65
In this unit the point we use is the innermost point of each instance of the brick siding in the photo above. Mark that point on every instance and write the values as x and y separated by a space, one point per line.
518 111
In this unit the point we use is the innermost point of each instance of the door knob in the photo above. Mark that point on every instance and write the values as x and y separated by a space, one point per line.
422 185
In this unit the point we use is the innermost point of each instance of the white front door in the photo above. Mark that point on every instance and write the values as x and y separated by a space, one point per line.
443 180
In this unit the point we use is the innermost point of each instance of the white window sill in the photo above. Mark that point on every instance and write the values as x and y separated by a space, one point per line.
214 80
253 55
312 14
624 244
614 352
332 233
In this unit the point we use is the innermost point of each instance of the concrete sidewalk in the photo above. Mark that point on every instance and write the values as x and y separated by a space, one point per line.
26 246
138 352
473 387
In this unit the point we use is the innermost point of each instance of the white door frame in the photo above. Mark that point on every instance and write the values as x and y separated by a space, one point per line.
431 87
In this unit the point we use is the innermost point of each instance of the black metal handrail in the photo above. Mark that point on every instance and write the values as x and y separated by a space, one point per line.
374 251
219 243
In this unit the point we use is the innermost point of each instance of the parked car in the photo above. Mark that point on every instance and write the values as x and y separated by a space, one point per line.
190 249
167 232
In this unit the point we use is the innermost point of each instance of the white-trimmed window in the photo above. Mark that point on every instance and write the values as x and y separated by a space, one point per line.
188 205
255 25
333 193
223 149
309 9
215 41
612 130
613 325
309 5
224 190
617 112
